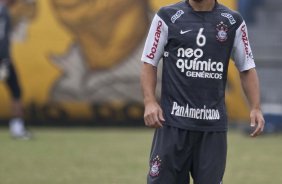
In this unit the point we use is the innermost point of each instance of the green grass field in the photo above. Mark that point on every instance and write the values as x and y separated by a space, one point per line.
120 156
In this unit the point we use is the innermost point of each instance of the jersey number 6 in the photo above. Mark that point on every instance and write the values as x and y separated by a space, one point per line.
201 39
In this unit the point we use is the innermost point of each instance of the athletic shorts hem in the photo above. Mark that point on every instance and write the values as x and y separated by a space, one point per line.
200 129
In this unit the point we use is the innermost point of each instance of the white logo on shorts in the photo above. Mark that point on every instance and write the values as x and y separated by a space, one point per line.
155 166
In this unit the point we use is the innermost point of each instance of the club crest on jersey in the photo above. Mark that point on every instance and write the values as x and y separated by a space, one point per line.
176 16
155 166
221 32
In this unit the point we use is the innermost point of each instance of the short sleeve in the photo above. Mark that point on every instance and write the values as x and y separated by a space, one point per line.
242 52
155 42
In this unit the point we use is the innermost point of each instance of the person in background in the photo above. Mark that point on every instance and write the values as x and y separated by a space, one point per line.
8 73
247 9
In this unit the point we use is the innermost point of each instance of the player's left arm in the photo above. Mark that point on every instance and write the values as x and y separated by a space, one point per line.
244 61
250 84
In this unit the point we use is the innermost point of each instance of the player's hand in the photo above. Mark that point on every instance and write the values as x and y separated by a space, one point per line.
153 115
257 122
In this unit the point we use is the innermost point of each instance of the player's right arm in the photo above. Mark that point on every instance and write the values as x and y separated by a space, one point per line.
153 51
153 114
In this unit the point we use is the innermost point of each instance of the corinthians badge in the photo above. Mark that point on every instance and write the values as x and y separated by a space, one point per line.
155 166
222 32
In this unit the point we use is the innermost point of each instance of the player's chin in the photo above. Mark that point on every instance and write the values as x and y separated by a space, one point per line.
198 1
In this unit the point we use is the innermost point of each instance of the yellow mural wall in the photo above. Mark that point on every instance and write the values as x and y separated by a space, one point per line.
54 58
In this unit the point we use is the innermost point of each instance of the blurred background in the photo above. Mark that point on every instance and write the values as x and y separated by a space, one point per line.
78 63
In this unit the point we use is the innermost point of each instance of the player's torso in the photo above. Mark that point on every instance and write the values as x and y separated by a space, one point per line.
196 61
200 42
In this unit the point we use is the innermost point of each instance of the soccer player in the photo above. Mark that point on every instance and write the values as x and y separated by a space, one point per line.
195 39
7 73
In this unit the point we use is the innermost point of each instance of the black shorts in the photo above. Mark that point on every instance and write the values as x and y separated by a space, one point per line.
12 82
176 153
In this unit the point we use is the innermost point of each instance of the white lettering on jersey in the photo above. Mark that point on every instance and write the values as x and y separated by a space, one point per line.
196 68
195 113
177 15
230 18
166 54
198 53
242 52
195 65
189 61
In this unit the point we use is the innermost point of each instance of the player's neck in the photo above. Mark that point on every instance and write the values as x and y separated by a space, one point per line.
202 5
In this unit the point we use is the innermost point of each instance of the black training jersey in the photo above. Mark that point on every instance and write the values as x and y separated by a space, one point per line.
4 32
196 48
